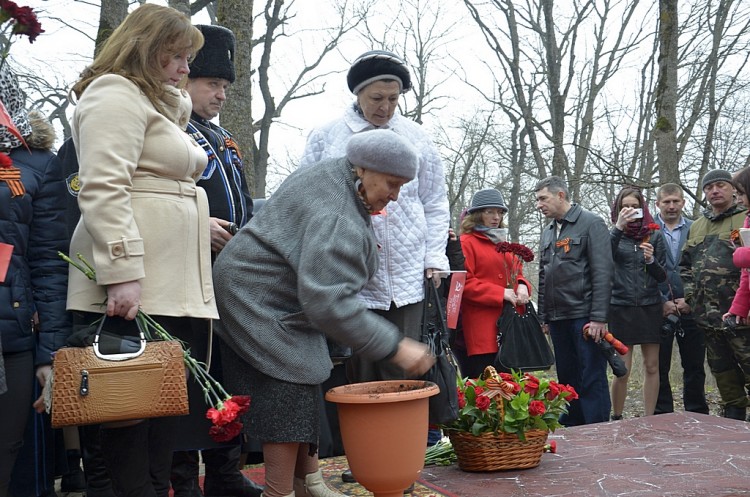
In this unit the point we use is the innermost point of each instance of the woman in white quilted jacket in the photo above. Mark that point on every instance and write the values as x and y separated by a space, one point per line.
411 232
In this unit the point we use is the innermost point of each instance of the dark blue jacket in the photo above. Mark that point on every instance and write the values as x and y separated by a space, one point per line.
37 278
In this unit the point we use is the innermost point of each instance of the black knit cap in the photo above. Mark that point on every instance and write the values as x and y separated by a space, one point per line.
715 175
377 65
216 58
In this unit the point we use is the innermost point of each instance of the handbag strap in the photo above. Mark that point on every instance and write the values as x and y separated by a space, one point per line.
121 356
437 343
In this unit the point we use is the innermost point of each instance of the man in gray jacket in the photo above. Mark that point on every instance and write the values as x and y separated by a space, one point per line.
575 282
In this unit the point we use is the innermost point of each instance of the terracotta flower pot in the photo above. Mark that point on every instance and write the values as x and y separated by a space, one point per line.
384 430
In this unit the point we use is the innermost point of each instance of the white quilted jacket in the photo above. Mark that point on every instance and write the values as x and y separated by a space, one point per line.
414 231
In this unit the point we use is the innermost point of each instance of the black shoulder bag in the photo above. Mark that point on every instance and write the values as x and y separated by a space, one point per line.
522 345
443 406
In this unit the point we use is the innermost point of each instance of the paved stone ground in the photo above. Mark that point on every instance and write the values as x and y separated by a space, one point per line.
633 403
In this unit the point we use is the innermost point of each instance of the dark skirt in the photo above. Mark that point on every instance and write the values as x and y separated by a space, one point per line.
280 412
634 325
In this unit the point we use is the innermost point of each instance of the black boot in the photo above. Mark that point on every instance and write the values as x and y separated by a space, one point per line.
184 475
98 483
223 476
127 458
733 412
73 479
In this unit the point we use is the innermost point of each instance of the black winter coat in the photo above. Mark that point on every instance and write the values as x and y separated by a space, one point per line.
575 268
37 278
636 283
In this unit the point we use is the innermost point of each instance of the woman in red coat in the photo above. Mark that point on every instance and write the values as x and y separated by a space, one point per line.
492 278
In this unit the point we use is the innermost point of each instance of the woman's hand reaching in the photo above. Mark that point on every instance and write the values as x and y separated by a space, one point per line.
413 357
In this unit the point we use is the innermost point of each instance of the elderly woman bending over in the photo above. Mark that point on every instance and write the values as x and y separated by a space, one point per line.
290 279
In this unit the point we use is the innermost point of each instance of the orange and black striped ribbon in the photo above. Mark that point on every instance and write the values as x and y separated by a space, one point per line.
12 176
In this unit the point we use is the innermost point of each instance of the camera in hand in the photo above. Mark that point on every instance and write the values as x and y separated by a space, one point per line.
613 358
672 326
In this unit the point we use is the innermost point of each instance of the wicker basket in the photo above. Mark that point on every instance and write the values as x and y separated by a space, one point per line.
490 452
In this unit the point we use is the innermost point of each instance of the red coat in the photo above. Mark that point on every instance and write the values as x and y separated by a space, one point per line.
488 274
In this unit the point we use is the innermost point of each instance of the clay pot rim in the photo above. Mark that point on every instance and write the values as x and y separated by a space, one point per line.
374 392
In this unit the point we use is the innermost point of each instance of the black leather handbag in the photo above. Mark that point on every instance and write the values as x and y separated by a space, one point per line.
444 373
522 345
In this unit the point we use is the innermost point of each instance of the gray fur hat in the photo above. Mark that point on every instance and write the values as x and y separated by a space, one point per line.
486 199
715 175
383 151
216 58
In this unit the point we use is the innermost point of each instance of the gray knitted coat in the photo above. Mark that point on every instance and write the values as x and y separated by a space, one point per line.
291 276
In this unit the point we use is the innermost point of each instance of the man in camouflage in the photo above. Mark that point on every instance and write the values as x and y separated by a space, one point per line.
711 279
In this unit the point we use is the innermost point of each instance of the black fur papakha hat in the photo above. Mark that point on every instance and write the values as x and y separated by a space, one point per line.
216 58
377 65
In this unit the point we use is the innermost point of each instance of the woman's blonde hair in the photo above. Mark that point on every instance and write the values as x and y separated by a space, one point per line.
474 219
137 48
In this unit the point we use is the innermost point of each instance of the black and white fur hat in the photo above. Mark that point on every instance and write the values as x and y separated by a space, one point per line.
377 65
216 58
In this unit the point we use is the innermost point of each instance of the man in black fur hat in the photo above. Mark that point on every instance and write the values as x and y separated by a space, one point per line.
230 204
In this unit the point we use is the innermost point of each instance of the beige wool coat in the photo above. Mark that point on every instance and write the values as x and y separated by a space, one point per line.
142 217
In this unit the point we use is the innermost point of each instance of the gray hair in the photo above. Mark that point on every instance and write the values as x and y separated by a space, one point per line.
554 184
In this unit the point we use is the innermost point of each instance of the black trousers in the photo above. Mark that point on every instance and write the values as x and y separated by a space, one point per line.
14 411
692 347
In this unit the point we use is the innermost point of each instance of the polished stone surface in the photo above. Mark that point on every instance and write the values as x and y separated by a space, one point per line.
677 454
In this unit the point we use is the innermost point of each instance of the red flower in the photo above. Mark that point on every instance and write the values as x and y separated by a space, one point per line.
531 386
536 408
551 447
461 400
242 401
226 432
483 403
506 376
554 390
478 390
5 161
24 19
573 394
516 387
653 226
229 410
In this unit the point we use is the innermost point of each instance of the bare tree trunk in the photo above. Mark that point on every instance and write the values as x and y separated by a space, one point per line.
236 15
665 134
112 13
557 97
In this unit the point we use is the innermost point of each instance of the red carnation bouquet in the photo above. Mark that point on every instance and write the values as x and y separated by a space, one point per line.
225 410
522 253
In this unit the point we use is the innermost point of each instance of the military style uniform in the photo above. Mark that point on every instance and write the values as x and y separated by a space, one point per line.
710 280
224 177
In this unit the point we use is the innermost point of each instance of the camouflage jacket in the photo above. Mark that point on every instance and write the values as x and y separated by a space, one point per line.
709 276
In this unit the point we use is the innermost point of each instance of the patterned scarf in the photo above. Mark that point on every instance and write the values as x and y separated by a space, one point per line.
15 103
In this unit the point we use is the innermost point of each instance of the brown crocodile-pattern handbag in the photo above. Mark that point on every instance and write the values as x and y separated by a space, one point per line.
91 387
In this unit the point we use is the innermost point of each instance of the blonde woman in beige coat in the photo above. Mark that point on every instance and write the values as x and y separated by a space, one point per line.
144 223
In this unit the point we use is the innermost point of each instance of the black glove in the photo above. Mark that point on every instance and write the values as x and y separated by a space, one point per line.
613 358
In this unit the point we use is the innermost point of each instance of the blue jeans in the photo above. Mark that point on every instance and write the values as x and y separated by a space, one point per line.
581 365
